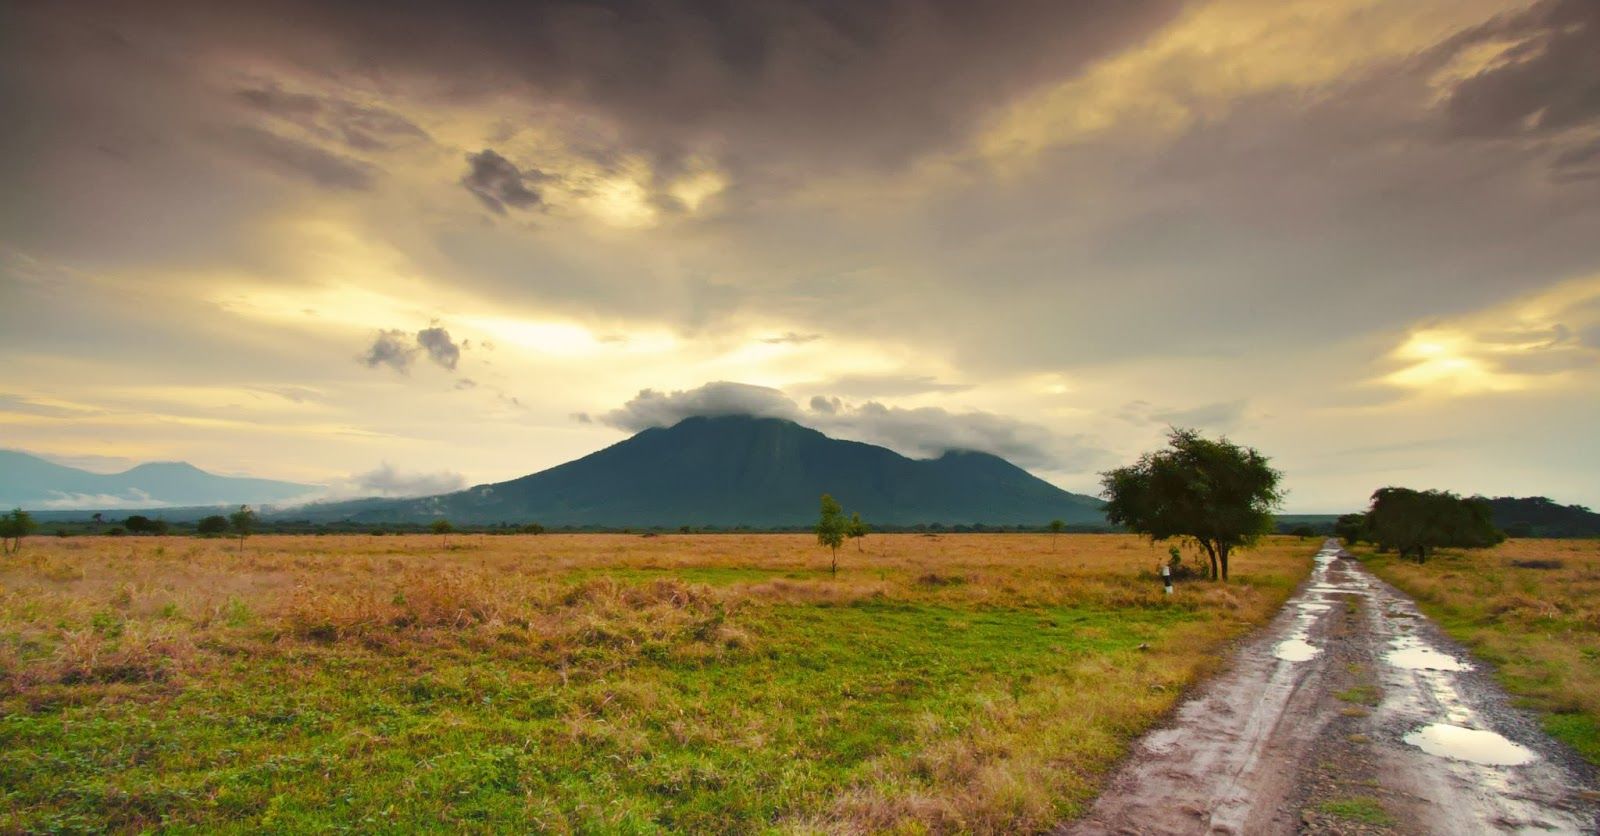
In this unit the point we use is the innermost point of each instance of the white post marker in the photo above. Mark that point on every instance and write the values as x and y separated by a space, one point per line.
1166 577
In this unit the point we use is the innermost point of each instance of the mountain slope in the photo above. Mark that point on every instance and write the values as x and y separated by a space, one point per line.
31 482
739 470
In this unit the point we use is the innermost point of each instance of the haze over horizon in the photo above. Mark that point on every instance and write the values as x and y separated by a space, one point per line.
435 244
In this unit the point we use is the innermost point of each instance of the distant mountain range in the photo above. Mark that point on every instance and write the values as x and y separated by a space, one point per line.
1537 516
741 470
30 482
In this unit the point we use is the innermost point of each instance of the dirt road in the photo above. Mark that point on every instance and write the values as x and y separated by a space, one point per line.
1350 713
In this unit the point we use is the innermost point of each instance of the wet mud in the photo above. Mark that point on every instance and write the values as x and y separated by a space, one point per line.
1349 714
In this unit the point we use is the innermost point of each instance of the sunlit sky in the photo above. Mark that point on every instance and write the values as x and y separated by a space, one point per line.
389 248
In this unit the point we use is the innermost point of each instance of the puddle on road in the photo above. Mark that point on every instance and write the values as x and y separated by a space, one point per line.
1296 650
1472 745
1410 652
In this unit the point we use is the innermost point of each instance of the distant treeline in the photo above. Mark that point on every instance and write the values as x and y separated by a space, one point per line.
145 524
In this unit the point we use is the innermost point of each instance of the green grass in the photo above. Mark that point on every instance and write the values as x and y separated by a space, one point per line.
1358 808
317 739
1362 694
594 684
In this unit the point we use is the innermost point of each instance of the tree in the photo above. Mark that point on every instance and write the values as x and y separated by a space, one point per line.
1055 532
442 528
533 528
214 524
1303 531
856 530
243 522
13 527
138 524
1216 493
1415 523
831 530
1351 528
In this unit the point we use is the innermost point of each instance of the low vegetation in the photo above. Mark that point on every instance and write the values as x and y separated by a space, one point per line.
593 683
1532 609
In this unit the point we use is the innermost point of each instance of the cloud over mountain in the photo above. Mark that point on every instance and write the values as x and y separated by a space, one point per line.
922 432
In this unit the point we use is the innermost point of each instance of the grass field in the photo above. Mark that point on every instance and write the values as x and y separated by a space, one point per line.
1531 608
593 683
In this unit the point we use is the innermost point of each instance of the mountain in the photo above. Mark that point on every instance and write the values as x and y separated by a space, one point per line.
1537 516
740 470
31 482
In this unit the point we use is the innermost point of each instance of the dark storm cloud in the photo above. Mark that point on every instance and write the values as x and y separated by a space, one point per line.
1549 81
300 159
922 432
393 348
826 80
498 184
441 349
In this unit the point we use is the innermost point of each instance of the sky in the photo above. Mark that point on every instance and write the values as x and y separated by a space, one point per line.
395 248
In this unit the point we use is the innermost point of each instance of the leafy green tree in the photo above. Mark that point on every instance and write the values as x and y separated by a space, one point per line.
212 525
1414 523
1303 531
1055 532
13 527
1351 528
857 530
831 529
1216 493
138 524
533 528
442 527
243 523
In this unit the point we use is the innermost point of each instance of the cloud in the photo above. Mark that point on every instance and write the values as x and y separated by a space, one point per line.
887 385
132 499
441 349
922 432
392 348
651 408
1221 416
300 159
498 183
385 480
1539 340
1544 79
791 338
826 406
360 127
396 349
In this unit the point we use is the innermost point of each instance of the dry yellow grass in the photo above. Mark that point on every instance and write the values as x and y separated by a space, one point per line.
1532 609
579 682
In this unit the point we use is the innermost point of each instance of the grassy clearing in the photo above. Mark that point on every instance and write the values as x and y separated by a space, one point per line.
1360 808
593 683
1531 608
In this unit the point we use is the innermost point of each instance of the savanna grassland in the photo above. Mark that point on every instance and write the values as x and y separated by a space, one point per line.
1531 608
593 683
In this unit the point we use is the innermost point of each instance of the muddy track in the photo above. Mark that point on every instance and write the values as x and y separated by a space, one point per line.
1350 713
